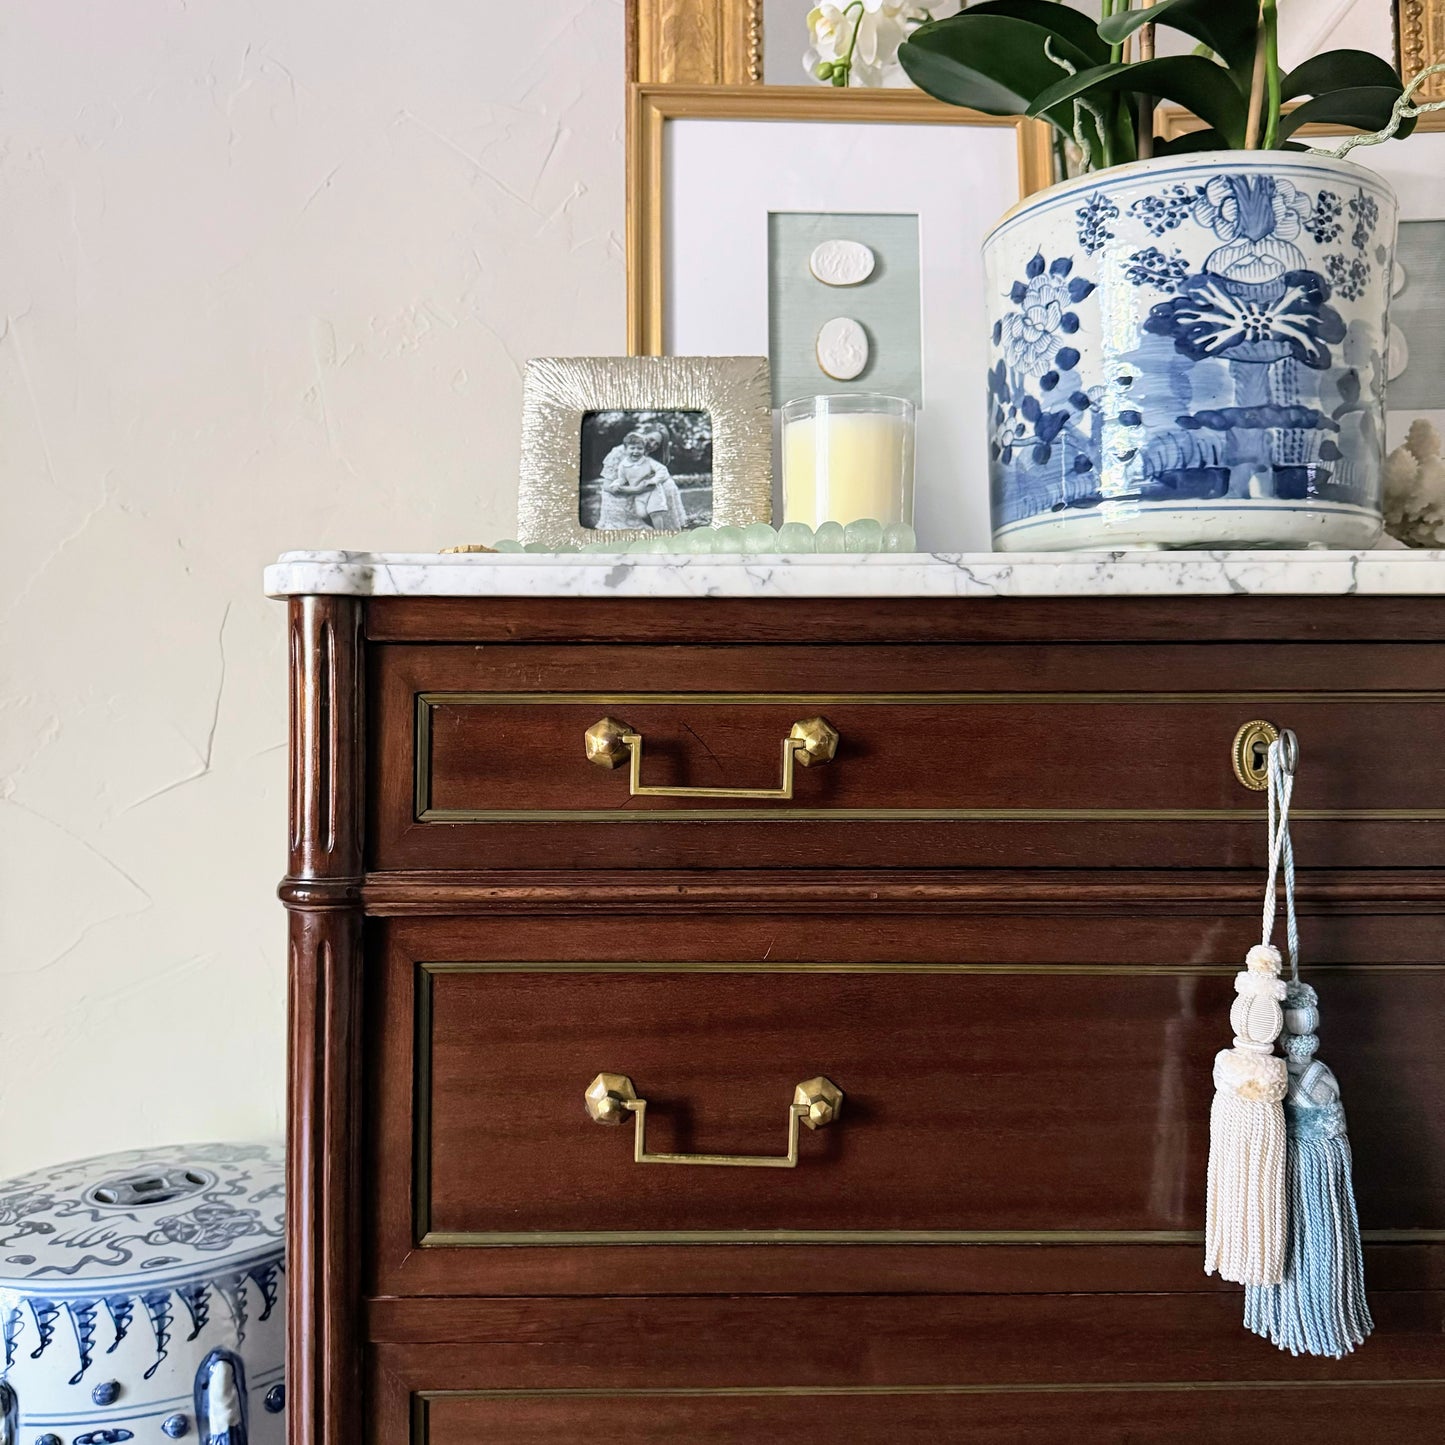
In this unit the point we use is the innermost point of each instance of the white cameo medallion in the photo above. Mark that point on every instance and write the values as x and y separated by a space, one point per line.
841 263
842 348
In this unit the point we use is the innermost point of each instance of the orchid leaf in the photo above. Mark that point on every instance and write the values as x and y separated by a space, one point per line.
1062 20
1361 107
1339 70
1191 142
992 63
1227 27
1198 84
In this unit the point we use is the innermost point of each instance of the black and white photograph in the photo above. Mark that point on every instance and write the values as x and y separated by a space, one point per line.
628 450
645 470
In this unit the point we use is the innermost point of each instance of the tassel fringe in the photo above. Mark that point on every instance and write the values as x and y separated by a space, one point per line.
1244 1226
1320 1307
1244 1229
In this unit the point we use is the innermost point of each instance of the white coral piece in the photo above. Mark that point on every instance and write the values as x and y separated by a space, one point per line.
1414 501
1422 440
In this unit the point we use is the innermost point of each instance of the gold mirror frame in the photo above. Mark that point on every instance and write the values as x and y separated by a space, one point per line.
1420 25
695 42
720 42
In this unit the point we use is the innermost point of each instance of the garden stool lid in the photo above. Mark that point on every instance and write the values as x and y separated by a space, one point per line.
142 1220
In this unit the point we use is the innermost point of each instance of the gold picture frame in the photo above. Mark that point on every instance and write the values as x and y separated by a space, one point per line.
560 393
652 106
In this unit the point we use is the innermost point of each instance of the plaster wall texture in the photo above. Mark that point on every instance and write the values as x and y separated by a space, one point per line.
268 274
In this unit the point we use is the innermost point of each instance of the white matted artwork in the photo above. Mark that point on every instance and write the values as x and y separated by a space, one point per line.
1415 167
723 179
1417 320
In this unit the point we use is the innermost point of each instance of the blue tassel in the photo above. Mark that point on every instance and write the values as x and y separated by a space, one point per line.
1320 1307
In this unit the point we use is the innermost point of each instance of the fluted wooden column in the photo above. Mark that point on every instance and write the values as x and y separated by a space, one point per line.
322 895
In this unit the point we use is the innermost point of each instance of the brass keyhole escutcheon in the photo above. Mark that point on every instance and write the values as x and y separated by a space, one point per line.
1251 753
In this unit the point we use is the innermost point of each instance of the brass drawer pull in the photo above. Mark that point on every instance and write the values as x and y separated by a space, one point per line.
816 1103
813 740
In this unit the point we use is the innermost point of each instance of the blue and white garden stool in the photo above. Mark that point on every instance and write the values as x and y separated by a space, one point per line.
142 1299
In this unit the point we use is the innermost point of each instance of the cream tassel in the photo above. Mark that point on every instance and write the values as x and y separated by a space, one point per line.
1244 1228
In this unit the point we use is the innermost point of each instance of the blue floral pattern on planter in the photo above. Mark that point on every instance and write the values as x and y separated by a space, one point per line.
1151 267
1254 375
1094 217
1168 209
1256 325
1043 299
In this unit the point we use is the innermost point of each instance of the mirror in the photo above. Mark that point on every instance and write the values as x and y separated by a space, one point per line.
1306 28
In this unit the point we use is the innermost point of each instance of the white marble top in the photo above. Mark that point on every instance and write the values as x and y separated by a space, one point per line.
922 574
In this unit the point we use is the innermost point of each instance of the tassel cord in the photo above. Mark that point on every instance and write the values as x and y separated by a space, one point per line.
1283 753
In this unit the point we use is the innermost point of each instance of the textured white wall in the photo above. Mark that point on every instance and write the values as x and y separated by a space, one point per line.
268 272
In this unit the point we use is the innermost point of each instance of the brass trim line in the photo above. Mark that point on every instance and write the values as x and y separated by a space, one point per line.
421 1399
1078 970
421 1102
805 699
1047 1387
425 702
922 815
444 1239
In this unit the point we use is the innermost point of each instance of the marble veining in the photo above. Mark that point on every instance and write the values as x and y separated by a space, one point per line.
939 574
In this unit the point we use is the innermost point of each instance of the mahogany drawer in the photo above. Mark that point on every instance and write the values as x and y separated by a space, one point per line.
992 756
1005 1083
1022 1370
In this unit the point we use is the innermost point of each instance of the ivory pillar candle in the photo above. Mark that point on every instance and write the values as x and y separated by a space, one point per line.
848 457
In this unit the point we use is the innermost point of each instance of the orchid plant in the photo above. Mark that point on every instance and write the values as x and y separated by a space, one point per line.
1099 84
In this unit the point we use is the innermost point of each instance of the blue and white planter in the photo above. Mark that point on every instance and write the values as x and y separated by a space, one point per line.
142 1298
1190 352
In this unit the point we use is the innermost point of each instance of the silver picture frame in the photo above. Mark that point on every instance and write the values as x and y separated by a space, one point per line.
559 393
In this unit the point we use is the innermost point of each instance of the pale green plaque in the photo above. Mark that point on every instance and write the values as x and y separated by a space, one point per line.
886 305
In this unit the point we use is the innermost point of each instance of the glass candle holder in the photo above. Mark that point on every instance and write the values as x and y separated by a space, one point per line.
846 457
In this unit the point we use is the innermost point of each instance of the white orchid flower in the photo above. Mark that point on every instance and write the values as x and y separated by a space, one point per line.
870 59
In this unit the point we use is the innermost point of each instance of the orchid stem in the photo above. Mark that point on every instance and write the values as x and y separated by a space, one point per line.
1269 13
1112 8
845 66
1145 146
1253 129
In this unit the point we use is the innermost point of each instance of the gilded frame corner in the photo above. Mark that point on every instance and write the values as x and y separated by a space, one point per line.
651 106
1420 26
558 391
695 42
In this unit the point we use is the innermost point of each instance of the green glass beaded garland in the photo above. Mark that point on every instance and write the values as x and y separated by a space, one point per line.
791 539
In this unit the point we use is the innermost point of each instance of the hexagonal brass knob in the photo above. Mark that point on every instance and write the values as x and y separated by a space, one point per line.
818 740
608 1096
824 1100
606 743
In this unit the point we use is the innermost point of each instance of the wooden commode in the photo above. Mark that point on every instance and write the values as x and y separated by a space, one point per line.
940 1023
